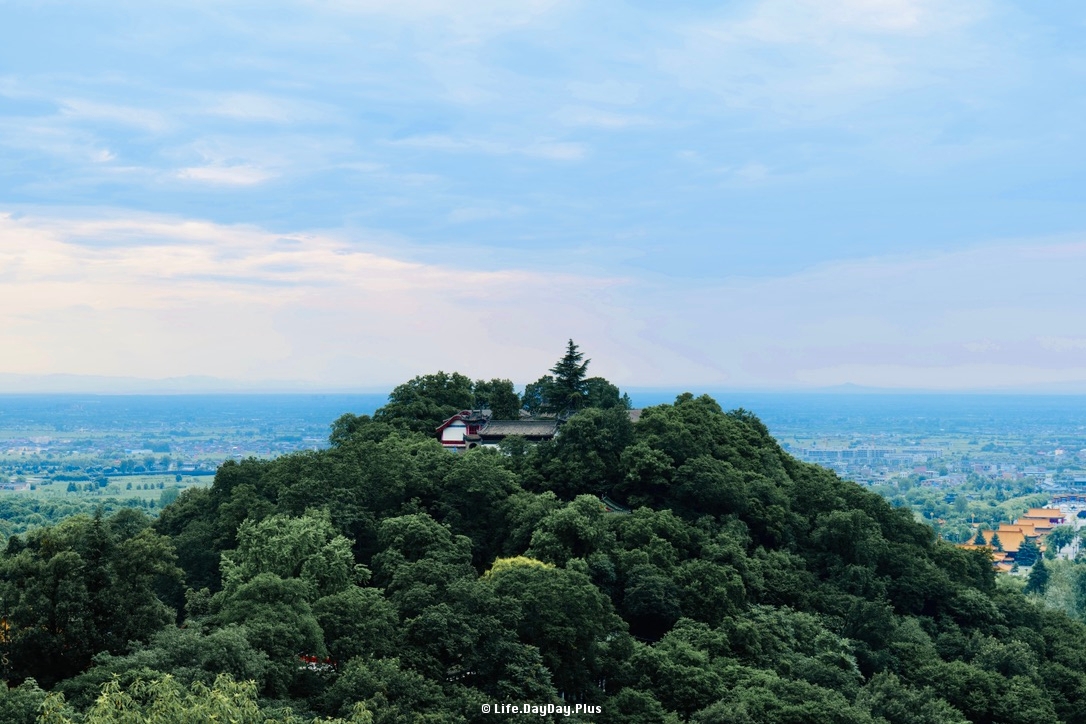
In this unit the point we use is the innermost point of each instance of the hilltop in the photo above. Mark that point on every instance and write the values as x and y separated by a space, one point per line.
419 584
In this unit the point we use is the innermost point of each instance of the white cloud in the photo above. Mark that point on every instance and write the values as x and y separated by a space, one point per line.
467 214
126 115
241 175
811 59
543 148
255 107
994 315
596 118
607 91
464 21
150 296
158 297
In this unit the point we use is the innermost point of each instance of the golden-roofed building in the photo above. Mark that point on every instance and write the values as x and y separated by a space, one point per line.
1028 528
1054 515
1041 526
1009 541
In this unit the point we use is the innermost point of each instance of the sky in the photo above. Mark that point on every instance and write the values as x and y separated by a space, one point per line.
342 194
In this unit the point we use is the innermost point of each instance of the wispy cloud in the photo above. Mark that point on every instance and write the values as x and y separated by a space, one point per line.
265 108
124 115
242 175
598 118
464 22
810 59
990 316
175 297
546 149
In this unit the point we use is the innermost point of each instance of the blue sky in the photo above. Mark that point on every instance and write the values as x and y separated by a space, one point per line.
767 194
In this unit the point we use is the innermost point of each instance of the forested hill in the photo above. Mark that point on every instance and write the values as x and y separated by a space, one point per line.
745 587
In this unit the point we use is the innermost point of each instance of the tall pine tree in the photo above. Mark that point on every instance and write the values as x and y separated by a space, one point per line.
569 391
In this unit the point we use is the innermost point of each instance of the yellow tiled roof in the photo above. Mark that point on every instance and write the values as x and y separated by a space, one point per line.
1009 540
1029 528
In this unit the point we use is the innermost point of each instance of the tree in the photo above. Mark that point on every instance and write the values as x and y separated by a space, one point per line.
586 456
604 395
165 700
569 390
1061 536
996 543
279 621
307 548
20 705
887 697
189 655
358 622
1028 553
426 401
1038 577
537 394
498 396
563 615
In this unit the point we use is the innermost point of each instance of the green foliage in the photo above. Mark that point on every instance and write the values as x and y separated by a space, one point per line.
565 617
569 390
358 622
1060 536
20 704
887 697
278 621
1038 578
425 402
307 548
537 395
743 586
600 393
82 587
188 654
498 396
1028 553
165 701
587 455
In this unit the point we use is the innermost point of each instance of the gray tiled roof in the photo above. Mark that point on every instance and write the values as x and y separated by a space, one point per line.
527 428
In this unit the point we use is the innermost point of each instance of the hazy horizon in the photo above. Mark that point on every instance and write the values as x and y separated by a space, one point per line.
74 385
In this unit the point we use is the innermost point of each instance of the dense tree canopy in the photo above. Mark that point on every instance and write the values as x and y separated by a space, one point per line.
385 579
425 402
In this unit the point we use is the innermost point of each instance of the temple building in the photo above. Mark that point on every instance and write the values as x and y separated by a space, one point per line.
469 429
